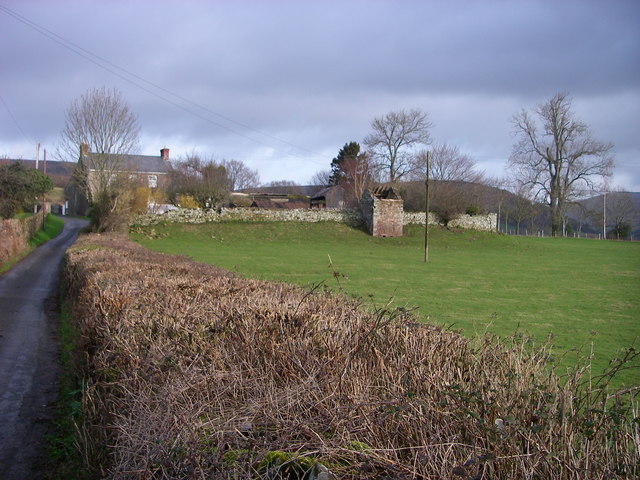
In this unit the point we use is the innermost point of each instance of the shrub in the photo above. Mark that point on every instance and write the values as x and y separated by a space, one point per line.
187 201
140 200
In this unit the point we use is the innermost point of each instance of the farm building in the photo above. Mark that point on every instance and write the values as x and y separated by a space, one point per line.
270 204
330 197
382 212
144 170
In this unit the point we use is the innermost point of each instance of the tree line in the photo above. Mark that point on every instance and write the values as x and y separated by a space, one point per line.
555 160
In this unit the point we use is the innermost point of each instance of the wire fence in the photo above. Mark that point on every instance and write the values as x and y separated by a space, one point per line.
526 232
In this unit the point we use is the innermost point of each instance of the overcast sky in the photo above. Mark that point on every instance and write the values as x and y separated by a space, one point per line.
283 85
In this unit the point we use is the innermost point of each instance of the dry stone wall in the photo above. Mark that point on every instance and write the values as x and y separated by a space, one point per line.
348 216
184 215
486 222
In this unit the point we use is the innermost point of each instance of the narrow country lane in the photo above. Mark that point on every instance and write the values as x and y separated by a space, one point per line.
29 364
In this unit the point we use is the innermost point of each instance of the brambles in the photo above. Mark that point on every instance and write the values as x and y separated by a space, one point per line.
195 373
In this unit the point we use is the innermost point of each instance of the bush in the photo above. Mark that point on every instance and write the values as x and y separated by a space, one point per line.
140 200
187 201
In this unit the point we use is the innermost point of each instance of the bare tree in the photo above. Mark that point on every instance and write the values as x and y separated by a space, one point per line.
321 177
622 213
281 183
556 154
522 208
394 141
356 178
448 164
240 176
101 119
203 181
100 124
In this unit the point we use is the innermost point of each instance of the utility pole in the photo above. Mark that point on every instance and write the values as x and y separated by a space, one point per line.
604 215
426 210
35 205
44 195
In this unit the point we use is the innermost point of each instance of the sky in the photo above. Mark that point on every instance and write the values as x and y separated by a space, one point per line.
282 85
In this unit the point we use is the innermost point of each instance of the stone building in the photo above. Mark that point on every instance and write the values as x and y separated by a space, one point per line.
382 212
94 170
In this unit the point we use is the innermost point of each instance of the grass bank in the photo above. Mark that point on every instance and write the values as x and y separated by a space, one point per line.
65 460
582 293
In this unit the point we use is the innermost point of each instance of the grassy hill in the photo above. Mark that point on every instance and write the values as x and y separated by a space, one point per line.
583 294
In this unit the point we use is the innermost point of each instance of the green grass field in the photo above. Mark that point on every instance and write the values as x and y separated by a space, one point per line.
583 293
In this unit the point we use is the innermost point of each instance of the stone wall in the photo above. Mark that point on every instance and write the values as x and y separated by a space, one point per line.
486 222
350 217
15 234
183 215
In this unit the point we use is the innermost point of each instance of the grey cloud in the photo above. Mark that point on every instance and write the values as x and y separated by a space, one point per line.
315 73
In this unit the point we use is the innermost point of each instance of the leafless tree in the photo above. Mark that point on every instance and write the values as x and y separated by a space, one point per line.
356 178
622 212
321 177
448 164
281 183
240 176
204 180
102 120
449 200
522 208
395 138
556 154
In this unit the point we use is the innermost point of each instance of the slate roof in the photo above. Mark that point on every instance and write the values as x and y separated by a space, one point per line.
138 163
290 205
285 190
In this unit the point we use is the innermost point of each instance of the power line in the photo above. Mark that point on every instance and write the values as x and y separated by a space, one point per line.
106 64
13 118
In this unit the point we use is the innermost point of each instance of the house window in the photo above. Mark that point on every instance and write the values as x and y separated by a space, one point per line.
153 181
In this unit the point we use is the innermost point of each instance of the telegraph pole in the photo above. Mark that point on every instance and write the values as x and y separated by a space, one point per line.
426 210
35 206
604 215
44 195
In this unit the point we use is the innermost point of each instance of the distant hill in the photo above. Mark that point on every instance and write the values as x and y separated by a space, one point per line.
60 172
624 206
585 216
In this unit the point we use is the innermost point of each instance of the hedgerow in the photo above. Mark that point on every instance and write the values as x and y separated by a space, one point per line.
191 372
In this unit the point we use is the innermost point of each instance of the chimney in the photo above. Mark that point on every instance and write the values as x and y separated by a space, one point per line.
164 153
84 150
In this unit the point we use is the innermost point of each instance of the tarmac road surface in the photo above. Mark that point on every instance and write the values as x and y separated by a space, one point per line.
29 365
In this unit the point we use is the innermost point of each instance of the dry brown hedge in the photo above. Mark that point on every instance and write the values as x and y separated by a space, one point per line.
194 373
15 234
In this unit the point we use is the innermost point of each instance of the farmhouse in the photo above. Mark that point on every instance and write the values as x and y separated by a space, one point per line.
95 169
382 212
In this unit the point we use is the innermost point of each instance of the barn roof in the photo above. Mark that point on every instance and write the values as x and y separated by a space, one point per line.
385 192
270 205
